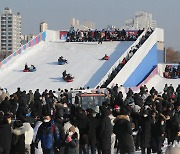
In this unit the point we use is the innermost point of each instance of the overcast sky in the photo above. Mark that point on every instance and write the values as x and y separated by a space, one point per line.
57 13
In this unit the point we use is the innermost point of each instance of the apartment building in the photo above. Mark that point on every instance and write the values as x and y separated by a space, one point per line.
10 31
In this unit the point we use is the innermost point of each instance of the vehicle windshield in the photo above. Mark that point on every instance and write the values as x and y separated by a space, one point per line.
92 102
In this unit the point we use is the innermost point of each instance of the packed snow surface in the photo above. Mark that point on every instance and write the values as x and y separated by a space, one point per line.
83 63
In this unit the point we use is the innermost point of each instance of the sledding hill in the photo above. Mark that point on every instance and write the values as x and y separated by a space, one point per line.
83 63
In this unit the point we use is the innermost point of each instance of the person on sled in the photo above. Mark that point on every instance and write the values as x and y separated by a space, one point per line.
69 76
60 58
32 67
106 57
64 74
26 67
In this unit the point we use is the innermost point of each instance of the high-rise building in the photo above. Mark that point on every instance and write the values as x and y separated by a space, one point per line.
26 38
43 26
89 24
142 20
85 25
10 31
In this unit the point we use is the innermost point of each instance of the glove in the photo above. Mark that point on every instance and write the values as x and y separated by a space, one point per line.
68 139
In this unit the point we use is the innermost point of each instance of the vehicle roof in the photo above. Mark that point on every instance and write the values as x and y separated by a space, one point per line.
89 94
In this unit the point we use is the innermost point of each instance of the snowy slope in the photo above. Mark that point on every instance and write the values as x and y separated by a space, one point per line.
158 82
83 64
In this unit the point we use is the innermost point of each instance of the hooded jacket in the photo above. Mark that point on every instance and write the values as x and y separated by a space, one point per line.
123 131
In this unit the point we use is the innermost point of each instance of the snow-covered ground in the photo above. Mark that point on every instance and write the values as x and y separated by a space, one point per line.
83 63
158 82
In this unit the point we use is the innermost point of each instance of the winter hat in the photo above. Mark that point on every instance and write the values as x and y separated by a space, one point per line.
116 107
131 103
96 109
72 129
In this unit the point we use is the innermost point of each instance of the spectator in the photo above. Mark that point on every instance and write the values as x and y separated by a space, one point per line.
123 131
48 134
5 135
104 132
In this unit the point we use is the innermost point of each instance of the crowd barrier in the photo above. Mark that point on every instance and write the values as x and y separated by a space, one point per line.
31 43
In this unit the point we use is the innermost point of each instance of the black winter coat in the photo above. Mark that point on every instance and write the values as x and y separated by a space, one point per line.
5 136
83 125
145 131
92 135
123 131
104 133
18 144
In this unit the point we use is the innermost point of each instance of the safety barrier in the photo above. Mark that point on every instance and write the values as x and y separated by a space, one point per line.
120 60
137 58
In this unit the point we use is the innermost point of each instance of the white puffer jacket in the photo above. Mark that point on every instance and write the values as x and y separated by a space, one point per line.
29 133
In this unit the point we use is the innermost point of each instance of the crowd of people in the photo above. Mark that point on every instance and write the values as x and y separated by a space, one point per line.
127 58
49 122
103 35
172 71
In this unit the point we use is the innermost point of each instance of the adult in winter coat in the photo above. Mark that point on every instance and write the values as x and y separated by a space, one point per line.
37 149
123 131
37 107
59 124
92 131
5 135
48 134
18 138
28 136
5 105
83 125
21 112
104 132
113 136
160 132
145 131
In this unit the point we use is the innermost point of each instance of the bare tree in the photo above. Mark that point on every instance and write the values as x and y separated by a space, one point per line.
172 56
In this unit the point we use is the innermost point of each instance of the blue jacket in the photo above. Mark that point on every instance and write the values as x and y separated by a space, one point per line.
48 134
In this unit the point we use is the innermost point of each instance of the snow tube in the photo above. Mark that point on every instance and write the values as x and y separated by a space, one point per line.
61 62
25 70
32 70
68 79
106 58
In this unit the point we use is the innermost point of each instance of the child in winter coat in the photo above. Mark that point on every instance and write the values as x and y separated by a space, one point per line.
71 142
